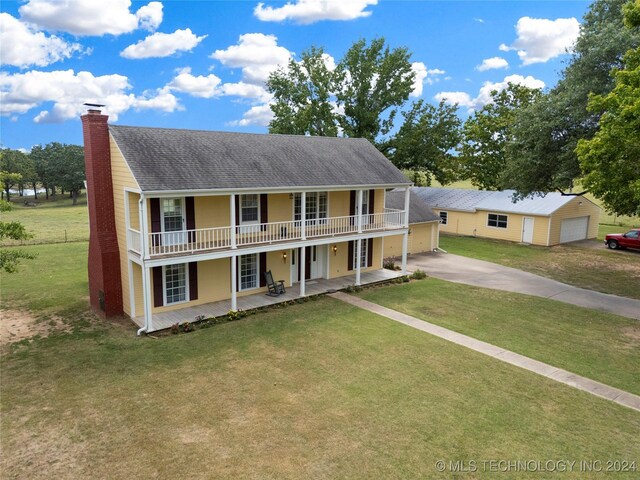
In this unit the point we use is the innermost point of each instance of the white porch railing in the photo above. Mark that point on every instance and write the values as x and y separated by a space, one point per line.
198 240
133 240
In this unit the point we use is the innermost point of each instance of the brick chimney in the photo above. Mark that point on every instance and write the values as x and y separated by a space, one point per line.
105 288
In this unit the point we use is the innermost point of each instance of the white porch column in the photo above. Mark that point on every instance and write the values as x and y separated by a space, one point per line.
232 209
407 192
303 216
146 298
303 269
359 211
405 245
234 283
358 256
144 236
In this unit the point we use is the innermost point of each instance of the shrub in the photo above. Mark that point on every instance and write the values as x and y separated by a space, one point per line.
389 264
187 327
419 275
175 328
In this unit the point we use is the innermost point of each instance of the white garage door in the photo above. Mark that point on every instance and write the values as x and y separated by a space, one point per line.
573 229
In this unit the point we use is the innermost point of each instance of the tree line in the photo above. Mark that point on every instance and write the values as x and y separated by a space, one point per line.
584 130
52 167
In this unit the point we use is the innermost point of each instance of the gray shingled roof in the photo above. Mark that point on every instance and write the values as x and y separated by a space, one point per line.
419 211
170 159
473 200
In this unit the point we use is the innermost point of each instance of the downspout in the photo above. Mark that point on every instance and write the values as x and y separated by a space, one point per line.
141 204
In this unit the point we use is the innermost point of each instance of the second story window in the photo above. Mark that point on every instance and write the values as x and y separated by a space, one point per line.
315 208
249 209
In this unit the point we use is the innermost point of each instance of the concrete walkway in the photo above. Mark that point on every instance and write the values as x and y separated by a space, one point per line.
455 268
581 383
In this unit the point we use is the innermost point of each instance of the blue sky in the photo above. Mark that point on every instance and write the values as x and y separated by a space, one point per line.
202 64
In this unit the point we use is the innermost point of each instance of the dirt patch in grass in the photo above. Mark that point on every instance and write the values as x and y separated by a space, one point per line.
16 325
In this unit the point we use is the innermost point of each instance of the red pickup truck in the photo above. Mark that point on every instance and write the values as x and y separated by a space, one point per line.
631 239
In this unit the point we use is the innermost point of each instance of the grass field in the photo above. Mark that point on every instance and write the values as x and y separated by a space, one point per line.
600 270
320 390
594 344
53 221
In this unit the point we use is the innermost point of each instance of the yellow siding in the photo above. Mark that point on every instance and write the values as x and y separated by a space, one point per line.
213 211
137 290
280 269
134 210
423 238
571 210
378 201
459 223
339 204
122 178
280 207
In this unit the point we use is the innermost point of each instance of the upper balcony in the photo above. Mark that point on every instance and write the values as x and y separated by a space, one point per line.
203 240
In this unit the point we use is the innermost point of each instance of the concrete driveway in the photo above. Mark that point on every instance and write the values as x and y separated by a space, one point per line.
455 268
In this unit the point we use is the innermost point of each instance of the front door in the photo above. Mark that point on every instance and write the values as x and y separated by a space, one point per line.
314 264
527 230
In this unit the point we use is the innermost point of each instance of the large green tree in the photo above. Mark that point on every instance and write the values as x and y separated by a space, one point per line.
17 168
486 134
359 98
373 81
542 152
611 159
304 103
427 141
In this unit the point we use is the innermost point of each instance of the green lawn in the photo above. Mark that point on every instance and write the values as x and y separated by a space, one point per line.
52 221
56 281
315 390
594 344
595 269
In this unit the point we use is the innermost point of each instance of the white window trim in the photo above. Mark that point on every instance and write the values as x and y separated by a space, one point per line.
184 213
240 289
445 220
252 222
364 246
317 217
497 220
187 294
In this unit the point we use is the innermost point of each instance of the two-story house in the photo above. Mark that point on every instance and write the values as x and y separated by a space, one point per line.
181 219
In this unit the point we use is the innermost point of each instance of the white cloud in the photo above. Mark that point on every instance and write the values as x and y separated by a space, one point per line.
91 17
433 75
257 115
310 11
420 71
540 39
492 63
163 44
21 45
479 20
246 90
484 95
256 54
197 86
21 92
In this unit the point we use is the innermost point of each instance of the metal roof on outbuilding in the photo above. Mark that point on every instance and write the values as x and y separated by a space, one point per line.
473 200
164 159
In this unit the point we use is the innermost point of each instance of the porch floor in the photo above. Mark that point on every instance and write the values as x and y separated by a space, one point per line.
164 320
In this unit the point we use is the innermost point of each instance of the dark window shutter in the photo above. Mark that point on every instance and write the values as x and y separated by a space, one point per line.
190 210
158 290
370 252
264 210
372 197
237 209
263 268
237 272
352 202
350 255
193 281
156 222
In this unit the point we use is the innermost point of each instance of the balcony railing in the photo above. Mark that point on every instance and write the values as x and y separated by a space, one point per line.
204 239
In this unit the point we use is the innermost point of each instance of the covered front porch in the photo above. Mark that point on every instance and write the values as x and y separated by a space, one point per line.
161 321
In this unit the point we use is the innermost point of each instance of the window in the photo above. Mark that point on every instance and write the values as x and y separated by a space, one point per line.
249 208
363 253
175 283
443 217
315 208
171 214
365 202
495 220
248 271
632 234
